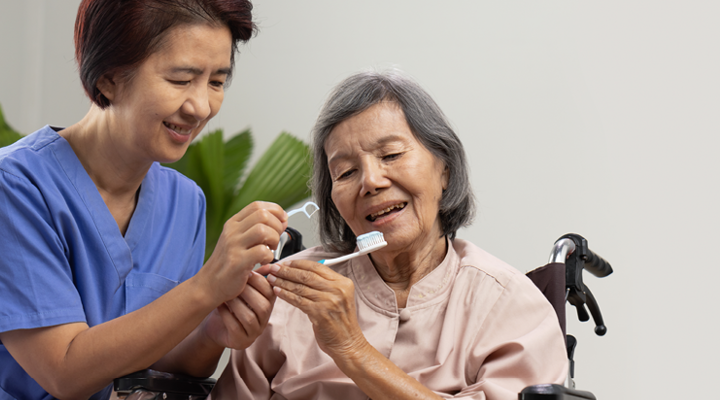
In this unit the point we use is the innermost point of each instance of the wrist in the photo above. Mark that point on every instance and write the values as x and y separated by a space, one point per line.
355 356
200 290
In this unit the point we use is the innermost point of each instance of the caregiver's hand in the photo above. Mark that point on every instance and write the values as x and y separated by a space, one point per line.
245 241
327 298
239 321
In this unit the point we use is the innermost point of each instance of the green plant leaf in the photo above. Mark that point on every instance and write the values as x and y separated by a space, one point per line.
280 176
190 165
212 157
8 135
237 153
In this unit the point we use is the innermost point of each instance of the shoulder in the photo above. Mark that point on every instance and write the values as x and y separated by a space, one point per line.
492 281
172 183
171 178
27 156
477 260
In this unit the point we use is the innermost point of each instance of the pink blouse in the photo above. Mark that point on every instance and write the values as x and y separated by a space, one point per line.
474 328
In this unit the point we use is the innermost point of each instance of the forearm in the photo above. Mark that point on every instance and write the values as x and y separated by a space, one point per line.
378 377
196 355
78 361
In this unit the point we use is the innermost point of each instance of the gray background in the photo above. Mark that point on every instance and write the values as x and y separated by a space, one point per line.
599 118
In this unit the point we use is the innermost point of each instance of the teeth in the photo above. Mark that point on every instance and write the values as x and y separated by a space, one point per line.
178 129
387 210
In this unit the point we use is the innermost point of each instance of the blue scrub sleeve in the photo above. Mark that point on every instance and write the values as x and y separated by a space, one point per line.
36 281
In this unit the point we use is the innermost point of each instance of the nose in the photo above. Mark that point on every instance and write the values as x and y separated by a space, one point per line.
197 103
374 178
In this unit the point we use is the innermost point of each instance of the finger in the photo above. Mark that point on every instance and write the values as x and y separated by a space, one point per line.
260 305
300 302
230 320
258 299
261 212
317 276
298 289
307 265
261 284
259 254
244 315
263 270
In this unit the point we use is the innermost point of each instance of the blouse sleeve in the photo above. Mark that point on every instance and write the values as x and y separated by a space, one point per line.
519 344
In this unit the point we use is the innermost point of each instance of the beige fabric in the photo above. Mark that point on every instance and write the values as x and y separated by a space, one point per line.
474 328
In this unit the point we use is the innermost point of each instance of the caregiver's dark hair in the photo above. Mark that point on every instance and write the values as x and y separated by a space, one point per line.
118 35
426 121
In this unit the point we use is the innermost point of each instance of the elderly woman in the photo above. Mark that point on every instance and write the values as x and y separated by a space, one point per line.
102 272
428 316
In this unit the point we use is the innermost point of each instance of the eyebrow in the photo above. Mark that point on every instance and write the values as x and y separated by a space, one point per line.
380 143
198 71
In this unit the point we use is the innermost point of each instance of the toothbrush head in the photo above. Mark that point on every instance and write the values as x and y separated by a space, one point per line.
370 242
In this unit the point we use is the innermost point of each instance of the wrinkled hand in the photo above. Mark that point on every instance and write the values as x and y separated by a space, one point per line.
238 322
326 297
245 241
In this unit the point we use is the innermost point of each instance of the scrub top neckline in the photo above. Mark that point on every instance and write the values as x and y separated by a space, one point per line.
119 248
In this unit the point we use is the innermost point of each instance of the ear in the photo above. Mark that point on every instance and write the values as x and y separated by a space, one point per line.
108 86
445 178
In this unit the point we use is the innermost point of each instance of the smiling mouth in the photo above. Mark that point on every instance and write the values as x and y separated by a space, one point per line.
177 129
397 207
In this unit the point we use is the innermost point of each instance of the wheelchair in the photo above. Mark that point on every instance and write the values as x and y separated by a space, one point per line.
560 280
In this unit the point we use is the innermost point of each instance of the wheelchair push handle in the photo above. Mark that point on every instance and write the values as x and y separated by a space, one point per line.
572 250
597 265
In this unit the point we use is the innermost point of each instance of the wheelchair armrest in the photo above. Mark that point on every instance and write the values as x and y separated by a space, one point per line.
174 385
553 392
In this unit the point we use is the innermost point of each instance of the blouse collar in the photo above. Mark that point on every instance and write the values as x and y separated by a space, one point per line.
432 288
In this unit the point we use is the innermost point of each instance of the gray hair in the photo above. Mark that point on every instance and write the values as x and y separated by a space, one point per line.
426 121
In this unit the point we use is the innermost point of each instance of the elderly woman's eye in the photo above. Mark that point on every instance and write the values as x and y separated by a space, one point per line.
390 157
345 174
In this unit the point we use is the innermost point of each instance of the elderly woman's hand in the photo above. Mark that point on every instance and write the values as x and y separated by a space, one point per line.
327 298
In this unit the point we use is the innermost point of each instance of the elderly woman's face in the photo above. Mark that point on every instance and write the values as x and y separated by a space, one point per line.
384 179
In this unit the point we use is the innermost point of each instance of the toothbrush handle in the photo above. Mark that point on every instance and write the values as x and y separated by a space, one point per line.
333 261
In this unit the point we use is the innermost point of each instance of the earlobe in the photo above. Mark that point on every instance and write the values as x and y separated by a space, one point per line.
107 85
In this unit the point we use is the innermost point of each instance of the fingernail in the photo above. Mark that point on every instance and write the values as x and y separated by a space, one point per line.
275 268
271 278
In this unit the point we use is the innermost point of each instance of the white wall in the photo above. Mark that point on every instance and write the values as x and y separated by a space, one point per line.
599 118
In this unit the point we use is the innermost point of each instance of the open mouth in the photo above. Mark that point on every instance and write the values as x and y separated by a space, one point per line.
397 207
177 129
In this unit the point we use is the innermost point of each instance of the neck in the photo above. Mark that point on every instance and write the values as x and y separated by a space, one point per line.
113 167
110 162
401 271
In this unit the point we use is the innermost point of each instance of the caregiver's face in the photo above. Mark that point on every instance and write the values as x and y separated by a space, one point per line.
384 179
175 92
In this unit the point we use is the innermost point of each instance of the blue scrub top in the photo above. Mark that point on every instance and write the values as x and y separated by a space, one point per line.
63 258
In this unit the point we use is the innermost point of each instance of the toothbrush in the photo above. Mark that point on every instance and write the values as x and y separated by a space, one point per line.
367 243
